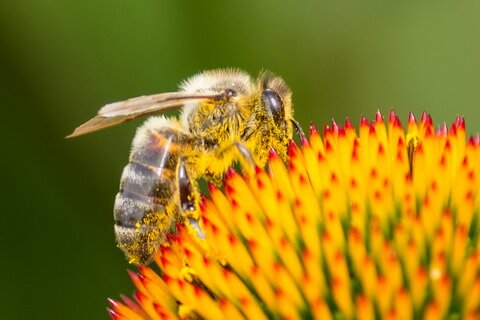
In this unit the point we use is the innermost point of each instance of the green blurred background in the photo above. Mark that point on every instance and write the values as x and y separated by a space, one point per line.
61 60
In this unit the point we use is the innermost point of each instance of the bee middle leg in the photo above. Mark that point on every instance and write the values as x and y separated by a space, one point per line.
246 157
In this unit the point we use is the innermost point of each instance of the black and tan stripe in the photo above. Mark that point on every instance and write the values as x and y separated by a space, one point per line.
148 193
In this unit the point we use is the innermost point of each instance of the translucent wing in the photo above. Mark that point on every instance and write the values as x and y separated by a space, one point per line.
119 112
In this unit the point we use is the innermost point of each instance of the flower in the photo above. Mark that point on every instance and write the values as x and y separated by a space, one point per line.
359 225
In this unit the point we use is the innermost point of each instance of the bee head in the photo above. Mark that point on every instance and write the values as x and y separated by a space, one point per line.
277 106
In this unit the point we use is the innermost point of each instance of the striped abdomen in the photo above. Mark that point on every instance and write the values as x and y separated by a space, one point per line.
147 204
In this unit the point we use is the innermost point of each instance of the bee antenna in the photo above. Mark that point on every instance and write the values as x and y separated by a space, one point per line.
298 129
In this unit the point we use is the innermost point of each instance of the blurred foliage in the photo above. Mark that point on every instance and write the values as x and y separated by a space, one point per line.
61 60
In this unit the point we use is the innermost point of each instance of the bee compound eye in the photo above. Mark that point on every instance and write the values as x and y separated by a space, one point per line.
274 105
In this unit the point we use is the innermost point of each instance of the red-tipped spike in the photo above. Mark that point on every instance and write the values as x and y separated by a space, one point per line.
129 302
378 117
400 156
249 217
132 305
348 124
211 187
326 130
197 290
203 198
206 261
356 144
229 189
355 234
453 129
423 117
180 283
252 244
206 221
364 122
291 166
313 129
113 303
132 275
164 250
442 130
171 238
166 278
471 141
448 146
158 309
429 131
328 146
429 121
232 239
392 117
187 252
397 123
381 149
419 149
139 296
230 173
142 278
279 196
443 161
334 126
355 154
113 314
411 118
292 149
180 227
333 178
272 154
320 156
457 121
372 128
304 141
142 269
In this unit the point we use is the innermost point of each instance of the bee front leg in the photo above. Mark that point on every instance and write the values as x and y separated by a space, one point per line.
188 194
242 154
246 157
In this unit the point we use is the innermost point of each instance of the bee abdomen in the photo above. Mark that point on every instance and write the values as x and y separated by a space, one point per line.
147 204
150 185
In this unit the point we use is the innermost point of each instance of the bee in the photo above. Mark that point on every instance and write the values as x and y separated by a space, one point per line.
222 112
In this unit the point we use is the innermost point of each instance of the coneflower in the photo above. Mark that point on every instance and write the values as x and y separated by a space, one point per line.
367 224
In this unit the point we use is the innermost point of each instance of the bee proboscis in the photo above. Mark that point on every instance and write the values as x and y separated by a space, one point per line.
221 110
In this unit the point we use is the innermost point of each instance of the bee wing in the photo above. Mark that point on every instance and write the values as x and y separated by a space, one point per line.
119 112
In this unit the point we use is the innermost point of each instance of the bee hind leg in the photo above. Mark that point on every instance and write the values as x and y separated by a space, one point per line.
188 193
186 188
